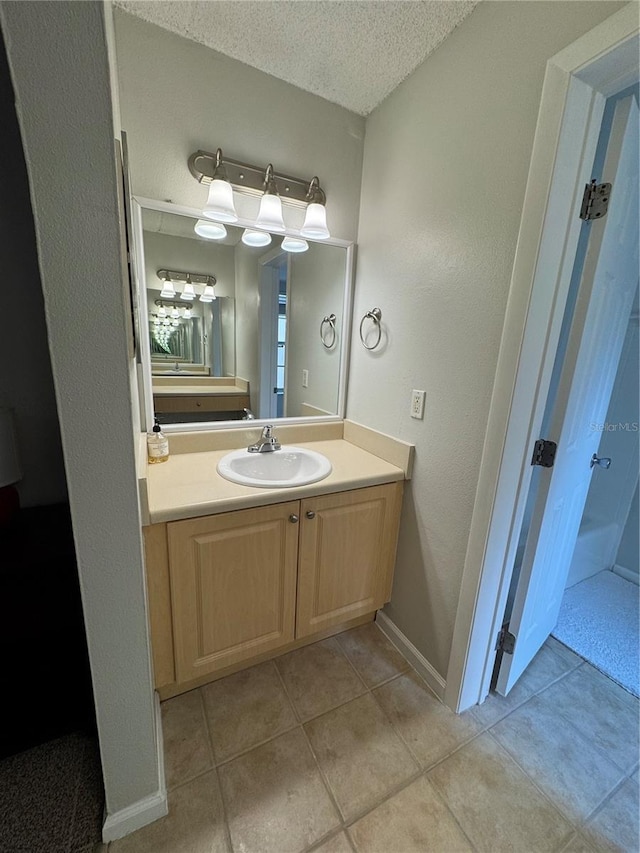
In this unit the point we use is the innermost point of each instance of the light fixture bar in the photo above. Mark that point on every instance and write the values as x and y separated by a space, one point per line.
173 303
248 177
184 277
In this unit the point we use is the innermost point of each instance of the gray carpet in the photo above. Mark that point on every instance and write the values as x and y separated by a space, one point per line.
51 797
599 621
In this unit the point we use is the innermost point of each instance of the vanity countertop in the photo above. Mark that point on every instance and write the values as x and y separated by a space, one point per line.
185 389
188 485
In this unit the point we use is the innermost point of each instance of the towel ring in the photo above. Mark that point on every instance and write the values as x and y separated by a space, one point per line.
331 320
376 315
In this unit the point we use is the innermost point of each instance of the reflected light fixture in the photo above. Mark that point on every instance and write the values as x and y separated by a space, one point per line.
255 238
294 244
168 290
219 204
208 294
315 220
270 213
210 230
187 291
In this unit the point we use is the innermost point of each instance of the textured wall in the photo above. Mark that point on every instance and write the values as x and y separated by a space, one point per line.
444 174
64 108
316 290
177 96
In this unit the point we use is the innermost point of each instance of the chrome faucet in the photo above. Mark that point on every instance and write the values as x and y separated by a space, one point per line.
268 442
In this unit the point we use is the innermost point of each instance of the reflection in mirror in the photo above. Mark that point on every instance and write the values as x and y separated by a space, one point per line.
262 347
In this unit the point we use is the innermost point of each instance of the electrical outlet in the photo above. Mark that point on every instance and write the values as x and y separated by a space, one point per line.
417 404
305 378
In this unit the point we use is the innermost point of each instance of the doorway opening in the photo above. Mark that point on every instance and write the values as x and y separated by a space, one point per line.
576 569
274 284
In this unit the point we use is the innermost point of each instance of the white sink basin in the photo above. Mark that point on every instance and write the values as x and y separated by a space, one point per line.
284 468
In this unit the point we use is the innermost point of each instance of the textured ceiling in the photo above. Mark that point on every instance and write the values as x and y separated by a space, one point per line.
351 52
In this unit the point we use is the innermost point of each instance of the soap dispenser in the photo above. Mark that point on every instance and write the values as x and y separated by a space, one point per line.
157 444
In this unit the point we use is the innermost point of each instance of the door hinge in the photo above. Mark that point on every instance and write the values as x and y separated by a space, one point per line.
506 641
544 453
595 201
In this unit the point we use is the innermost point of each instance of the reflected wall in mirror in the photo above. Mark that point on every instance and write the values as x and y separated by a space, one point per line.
265 347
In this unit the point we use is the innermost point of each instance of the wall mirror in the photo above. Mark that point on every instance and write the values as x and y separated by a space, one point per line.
232 332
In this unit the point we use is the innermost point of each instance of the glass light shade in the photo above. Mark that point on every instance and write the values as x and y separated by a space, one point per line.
168 290
294 244
187 314
175 322
166 322
270 213
188 292
210 230
208 294
220 202
255 238
315 222
162 311
174 313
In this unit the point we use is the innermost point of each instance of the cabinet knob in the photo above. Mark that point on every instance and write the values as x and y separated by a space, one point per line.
310 514
293 519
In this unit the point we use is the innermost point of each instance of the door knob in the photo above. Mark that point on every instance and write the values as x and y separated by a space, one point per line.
310 514
293 519
603 461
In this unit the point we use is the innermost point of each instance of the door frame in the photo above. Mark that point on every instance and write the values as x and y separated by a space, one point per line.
577 82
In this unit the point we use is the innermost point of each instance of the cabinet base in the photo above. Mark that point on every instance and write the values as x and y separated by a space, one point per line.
167 691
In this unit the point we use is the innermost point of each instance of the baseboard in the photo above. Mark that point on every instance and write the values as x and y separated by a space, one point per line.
146 810
626 573
422 666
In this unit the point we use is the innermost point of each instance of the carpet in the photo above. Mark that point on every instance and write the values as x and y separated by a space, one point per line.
599 621
52 798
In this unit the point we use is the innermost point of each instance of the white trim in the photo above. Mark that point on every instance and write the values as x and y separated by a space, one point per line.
577 82
149 808
627 574
422 666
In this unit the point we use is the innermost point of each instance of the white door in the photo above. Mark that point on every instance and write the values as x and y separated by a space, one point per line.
606 293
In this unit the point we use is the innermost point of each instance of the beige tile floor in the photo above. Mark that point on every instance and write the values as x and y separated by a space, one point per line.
341 747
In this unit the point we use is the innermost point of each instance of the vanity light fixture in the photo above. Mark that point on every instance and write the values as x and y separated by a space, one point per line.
208 294
315 220
219 204
294 244
168 290
255 238
187 291
210 230
188 281
272 187
270 213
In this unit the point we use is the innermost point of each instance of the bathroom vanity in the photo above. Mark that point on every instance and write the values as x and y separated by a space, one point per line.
236 574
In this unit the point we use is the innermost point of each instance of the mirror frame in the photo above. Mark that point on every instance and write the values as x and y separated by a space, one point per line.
138 204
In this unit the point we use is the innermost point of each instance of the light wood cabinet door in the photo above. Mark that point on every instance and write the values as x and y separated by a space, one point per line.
233 586
346 555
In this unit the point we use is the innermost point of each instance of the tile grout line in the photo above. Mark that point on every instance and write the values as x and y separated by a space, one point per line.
325 781
546 796
600 753
225 819
444 802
